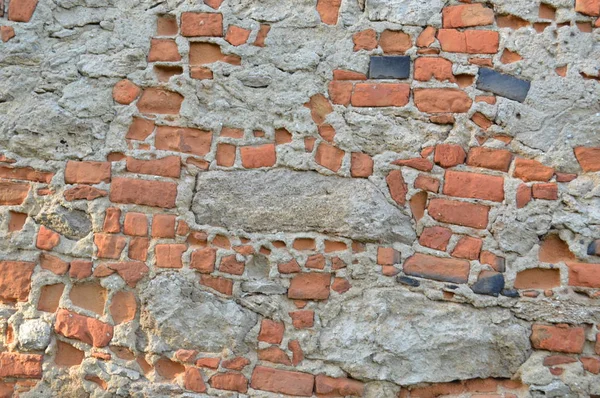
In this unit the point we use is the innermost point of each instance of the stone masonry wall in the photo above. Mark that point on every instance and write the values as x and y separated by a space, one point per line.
266 198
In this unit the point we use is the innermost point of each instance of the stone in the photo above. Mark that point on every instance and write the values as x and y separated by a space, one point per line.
390 67
34 335
416 346
183 316
340 206
502 84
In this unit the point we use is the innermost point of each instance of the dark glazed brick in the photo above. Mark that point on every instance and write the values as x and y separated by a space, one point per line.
397 67
510 293
491 284
503 85
594 248
405 280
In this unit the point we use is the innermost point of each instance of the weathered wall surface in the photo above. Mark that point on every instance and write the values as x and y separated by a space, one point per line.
376 198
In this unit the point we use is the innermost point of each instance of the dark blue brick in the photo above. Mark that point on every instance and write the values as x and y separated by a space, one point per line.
491 284
396 67
405 280
503 85
510 293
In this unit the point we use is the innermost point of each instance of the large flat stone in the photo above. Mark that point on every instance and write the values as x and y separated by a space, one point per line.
177 313
418 12
294 201
403 337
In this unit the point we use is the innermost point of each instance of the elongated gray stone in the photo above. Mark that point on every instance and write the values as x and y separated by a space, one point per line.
403 337
295 201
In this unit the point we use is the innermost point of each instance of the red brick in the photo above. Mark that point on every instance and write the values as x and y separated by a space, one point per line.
523 196
495 159
449 155
87 172
397 186
310 286
143 192
131 271
160 101
258 156
537 278
84 192
50 297
135 224
380 94
169 166
316 261
435 238
47 239
229 381
169 255
275 355
262 34
237 363
182 139
466 15
123 307
584 275
469 41
222 285
225 155
338 387
341 74
53 264
163 50
417 205
532 170
361 165
440 269
15 280
211 363
548 191
271 331
203 260
387 256
565 177
468 248
474 185
13 193
427 183
237 36
340 92
297 353
201 24
193 380
230 265
334 246
587 7
282 381
138 249
140 129
80 269
304 244
433 67
303 319
365 40
25 173
125 92
282 136
459 213
588 158
560 338
415 163
163 226
13 364
109 246
591 364
329 156
427 37
327 132
319 108
328 10
291 267
89 330
442 100
394 42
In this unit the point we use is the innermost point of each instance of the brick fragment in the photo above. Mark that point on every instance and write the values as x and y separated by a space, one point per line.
275 355
13 364
365 40
237 363
361 165
495 159
333 387
442 100
440 269
89 330
584 275
548 191
559 338
588 158
222 285
80 269
50 297
449 155
310 286
15 280
474 185
329 156
202 53
258 156
469 41
394 42
319 108
467 15
201 24
427 37
159 101
303 319
163 226
47 239
125 92
532 170
262 34
21 10
537 278
237 36
427 68
13 193
435 238
397 187
229 381
164 50
6 33
193 380
468 248
182 139
131 271
282 381
169 255
422 164
329 10
427 183
586 7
